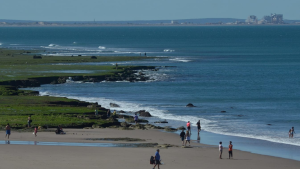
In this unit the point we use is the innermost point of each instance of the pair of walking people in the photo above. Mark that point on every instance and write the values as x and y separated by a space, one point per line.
229 149
187 136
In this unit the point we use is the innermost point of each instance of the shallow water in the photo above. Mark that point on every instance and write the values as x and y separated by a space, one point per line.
252 73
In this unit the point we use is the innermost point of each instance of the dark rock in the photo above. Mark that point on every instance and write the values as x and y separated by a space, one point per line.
181 128
113 105
161 121
93 57
170 129
121 111
269 124
144 113
223 111
190 105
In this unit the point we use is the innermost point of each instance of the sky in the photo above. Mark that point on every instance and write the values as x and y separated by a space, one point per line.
124 10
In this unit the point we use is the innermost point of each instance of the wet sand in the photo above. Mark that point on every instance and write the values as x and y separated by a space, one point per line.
199 156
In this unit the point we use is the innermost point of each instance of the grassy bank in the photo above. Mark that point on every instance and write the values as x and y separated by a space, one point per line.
21 69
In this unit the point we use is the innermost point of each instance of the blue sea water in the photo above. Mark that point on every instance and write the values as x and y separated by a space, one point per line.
252 73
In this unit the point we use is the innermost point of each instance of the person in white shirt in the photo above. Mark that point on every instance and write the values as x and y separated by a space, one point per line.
220 149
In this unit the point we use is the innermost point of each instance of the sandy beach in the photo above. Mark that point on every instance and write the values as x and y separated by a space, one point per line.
199 156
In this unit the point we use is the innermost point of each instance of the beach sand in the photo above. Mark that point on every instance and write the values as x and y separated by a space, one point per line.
199 156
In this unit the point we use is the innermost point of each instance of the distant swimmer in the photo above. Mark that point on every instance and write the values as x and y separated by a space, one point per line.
145 54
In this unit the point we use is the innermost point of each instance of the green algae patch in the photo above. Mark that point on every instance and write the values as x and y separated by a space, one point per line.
20 69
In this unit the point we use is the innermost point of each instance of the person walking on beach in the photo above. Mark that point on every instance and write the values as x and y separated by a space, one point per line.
188 138
35 131
220 149
230 149
182 136
29 121
292 132
7 128
157 159
198 126
188 125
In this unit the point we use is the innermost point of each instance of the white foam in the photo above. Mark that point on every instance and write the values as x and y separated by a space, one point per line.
169 50
0 44
180 60
52 45
206 124
102 47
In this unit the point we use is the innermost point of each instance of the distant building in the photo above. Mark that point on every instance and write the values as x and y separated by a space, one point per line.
273 18
174 22
252 19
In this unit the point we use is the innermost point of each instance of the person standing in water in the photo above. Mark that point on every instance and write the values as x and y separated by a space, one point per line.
188 125
292 132
220 149
7 128
230 149
198 126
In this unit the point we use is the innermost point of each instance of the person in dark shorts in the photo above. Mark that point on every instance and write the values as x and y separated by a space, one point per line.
157 159
182 136
198 126
7 128
230 149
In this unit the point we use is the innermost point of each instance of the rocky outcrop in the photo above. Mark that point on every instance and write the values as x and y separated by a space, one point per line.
113 105
164 121
143 113
190 105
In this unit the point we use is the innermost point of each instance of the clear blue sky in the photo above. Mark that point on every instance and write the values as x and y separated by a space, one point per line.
117 10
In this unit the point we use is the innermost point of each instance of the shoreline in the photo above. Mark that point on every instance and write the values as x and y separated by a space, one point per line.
127 157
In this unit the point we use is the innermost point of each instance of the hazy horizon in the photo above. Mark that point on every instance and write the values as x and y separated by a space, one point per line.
134 10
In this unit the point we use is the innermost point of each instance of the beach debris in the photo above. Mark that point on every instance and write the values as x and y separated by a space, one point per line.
190 105
113 105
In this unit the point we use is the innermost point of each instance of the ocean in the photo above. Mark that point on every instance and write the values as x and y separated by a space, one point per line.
243 80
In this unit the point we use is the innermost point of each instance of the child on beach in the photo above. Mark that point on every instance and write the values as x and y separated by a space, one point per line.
188 138
35 131
220 149
230 149
7 128
182 134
